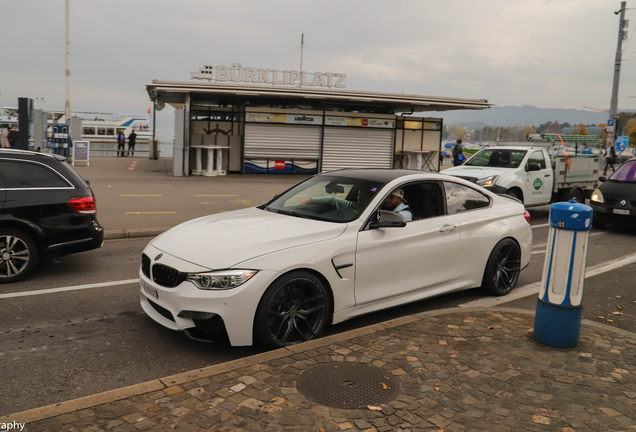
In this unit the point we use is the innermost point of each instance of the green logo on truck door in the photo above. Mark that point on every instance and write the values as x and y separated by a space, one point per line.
538 184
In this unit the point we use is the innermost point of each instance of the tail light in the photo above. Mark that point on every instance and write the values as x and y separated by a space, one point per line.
84 205
526 214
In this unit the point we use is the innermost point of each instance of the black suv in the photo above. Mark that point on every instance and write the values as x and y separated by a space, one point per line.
46 209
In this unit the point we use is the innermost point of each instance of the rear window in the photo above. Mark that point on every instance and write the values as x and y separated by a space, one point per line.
29 175
626 173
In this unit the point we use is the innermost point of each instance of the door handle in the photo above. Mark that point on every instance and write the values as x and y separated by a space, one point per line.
447 228
547 175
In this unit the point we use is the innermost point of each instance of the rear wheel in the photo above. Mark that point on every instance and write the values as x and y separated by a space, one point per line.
503 268
294 309
18 255
577 194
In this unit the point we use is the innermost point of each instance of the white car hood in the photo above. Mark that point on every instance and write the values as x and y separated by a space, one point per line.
222 240
478 172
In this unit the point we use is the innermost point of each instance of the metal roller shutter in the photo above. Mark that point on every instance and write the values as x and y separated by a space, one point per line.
356 148
282 142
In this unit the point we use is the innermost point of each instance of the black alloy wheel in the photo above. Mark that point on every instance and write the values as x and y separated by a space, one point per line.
18 255
503 268
294 309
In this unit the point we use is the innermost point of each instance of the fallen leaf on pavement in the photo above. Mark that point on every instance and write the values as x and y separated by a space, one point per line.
618 296
619 306
617 313
436 388
384 386
609 320
490 327
600 317
374 408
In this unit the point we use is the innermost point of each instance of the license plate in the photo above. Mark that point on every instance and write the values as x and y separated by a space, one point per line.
149 290
621 211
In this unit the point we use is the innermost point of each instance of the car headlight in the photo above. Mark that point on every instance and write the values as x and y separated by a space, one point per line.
488 181
597 196
221 280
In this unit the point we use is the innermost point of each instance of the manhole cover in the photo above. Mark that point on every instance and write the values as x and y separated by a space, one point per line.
347 385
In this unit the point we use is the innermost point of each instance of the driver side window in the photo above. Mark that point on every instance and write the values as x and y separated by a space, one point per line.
425 199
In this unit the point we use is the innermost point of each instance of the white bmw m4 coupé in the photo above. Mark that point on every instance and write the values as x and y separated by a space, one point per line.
333 247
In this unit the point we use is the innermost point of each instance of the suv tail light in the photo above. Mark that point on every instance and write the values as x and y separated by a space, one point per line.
84 205
526 214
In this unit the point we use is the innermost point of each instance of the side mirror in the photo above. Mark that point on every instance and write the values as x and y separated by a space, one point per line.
533 166
602 179
387 219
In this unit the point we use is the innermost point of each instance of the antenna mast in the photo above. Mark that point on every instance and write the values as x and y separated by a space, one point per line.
68 67
302 46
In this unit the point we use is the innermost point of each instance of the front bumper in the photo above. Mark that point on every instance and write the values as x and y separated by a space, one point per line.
605 214
235 307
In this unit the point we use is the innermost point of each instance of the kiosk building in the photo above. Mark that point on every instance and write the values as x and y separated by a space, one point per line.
292 126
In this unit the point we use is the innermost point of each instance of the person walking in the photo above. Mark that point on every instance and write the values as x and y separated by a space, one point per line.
121 143
458 153
13 138
132 139
610 157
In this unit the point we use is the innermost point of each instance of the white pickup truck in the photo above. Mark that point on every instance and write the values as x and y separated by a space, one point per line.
536 173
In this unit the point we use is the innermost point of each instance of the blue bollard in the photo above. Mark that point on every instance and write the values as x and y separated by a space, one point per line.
559 308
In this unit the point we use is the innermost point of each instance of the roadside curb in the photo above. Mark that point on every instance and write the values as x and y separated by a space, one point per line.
133 233
110 396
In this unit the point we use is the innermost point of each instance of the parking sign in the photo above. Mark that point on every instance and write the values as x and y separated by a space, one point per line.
621 143
610 122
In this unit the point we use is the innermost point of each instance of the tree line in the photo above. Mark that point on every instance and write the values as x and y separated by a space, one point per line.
626 126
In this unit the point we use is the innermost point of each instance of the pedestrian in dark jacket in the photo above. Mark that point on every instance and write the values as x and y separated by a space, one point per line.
458 153
13 137
121 143
132 139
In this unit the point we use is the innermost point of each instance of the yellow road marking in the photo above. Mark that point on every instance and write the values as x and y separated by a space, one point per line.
138 213
130 195
216 195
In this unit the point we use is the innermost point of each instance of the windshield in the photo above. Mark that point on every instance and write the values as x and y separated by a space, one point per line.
327 198
626 173
497 158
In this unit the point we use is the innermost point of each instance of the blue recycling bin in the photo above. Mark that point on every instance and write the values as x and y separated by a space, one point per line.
557 321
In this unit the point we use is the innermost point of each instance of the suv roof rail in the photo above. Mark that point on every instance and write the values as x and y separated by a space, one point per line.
27 152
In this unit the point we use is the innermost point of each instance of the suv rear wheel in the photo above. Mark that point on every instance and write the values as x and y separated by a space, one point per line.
18 255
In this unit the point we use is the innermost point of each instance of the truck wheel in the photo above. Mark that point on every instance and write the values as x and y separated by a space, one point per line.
514 192
577 194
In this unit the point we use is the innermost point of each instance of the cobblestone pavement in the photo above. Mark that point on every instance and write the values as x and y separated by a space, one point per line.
457 371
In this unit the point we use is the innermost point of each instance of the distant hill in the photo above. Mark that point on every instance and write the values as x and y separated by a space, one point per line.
526 115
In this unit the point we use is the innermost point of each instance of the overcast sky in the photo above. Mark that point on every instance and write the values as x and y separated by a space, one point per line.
546 53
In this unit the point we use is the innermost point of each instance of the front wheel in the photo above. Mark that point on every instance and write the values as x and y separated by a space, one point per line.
294 309
516 193
18 255
503 268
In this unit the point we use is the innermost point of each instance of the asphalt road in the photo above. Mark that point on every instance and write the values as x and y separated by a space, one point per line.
63 345
56 346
